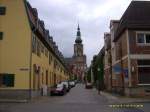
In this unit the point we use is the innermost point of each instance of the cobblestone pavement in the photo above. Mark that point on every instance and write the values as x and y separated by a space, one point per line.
77 100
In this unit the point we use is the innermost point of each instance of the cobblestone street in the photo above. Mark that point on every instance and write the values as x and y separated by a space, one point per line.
77 100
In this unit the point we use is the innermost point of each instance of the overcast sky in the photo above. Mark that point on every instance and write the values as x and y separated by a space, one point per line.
62 16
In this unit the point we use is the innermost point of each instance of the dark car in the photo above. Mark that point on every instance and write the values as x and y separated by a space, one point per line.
66 84
60 89
72 83
88 85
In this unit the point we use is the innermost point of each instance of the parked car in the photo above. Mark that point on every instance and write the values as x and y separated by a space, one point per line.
76 81
66 84
88 85
72 83
60 89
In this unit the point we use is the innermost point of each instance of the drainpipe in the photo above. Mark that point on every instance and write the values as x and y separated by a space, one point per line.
111 72
31 64
122 75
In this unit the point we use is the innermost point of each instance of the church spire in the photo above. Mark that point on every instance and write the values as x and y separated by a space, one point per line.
78 27
78 38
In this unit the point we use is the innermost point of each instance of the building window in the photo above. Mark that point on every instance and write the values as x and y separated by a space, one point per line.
118 51
34 44
46 52
144 71
55 64
143 38
140 38
147 38
61 70
144 75
46 77
50 58
2 10
7 80
42 48
38 48
143 62
1 35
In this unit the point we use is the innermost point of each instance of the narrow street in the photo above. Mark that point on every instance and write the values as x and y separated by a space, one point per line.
77 100
48 47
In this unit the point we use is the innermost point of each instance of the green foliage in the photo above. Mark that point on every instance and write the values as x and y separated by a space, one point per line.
73 77
98 68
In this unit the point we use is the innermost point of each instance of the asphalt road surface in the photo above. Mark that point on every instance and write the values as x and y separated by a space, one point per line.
78 99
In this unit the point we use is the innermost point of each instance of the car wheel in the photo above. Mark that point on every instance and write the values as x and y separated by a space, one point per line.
62 93
51 94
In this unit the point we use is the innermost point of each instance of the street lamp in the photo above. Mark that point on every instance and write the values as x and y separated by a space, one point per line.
99 80
98 69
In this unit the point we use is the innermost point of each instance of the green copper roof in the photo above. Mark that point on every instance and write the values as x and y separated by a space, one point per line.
78 38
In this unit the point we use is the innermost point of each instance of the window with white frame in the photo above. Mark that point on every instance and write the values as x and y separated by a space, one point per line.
144 71
143 38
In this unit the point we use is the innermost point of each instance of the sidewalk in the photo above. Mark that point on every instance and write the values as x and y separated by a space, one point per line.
12 101
124 99
115 98
36 99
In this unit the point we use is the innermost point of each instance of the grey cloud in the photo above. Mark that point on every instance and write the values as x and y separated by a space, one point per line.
62 17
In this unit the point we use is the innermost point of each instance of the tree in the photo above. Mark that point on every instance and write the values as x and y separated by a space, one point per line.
98 69
89 75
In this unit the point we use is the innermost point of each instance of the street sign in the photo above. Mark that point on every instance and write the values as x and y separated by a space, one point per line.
117 69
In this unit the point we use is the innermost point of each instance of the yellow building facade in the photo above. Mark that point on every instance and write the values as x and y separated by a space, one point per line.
29 58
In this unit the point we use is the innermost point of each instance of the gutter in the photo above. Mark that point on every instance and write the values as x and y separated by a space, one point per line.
30 61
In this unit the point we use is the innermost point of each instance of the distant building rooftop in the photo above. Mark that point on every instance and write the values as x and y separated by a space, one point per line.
136 16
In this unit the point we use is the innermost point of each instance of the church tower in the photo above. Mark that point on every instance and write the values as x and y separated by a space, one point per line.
79 58
78 46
